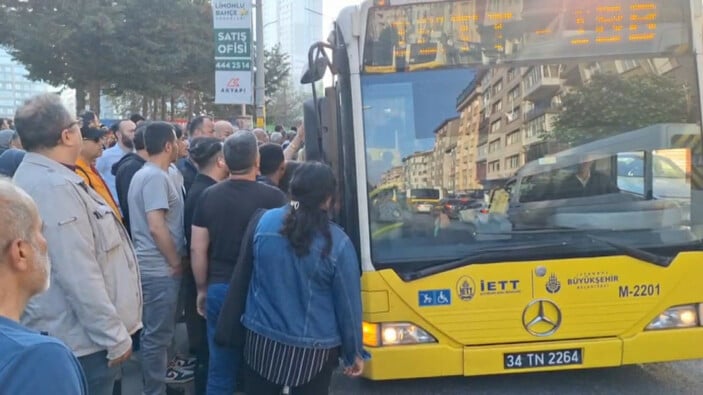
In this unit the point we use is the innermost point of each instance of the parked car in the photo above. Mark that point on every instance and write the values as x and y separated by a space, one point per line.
452 206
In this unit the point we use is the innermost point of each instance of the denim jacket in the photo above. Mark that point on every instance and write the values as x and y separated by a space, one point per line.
305 301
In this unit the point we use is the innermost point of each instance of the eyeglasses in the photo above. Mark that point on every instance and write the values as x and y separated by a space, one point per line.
77 122
99 140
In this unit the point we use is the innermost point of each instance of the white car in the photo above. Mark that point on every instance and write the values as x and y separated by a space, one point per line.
669 181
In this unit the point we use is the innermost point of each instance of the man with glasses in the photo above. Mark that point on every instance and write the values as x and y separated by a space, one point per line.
94 302
92 149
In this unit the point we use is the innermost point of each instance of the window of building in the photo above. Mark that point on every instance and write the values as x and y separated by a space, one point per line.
494 146
626 65
536 127
512 162
512 138
498 106
494 166
498 87
495 126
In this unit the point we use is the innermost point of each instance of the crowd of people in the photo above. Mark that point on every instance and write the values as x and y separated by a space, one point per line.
113 235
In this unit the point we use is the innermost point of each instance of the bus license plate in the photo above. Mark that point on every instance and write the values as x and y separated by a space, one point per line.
537 359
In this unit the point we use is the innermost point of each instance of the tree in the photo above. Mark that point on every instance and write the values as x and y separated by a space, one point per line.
157 49
277 66
285 106
610 104
64 42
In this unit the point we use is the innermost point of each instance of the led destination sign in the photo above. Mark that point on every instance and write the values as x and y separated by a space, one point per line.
427 35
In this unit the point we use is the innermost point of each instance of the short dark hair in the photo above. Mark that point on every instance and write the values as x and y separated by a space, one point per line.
271 157
196 123
40 121
136 118
291 167
179 130
118 125
139 139
241 150
87 117
203 151
278 128
157 135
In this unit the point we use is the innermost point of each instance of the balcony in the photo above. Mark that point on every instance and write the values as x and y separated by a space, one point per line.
542 83
538 111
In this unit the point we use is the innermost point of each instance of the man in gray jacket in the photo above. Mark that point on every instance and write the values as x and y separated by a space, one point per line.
94 302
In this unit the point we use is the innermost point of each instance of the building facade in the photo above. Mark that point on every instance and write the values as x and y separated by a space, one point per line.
418 168
295 25
15 87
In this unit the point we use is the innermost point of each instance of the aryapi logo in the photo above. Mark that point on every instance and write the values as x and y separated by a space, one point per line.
233 83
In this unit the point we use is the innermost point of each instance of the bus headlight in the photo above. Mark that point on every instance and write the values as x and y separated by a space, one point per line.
394 333
676 317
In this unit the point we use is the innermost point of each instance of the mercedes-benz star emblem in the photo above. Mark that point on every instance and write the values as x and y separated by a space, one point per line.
541 317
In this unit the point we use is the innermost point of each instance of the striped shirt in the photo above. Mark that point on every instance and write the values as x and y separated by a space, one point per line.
282 364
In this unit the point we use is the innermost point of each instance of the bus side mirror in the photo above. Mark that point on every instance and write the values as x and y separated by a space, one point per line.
316 72
313 129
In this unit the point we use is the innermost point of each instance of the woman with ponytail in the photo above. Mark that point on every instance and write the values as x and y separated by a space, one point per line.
303 309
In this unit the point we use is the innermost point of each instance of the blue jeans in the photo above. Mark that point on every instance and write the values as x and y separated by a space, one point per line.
100 378
224 361
159 318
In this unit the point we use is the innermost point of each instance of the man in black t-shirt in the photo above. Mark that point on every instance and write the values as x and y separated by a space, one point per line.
220 220
207 153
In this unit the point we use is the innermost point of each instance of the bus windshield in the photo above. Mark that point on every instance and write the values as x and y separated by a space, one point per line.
521 153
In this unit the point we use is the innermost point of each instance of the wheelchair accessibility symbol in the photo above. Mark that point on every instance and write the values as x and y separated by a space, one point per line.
435 297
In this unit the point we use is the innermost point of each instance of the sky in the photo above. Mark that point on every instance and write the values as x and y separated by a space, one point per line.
330 9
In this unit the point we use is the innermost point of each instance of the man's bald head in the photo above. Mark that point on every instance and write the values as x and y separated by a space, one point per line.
261 136
223 129
18 212
25 268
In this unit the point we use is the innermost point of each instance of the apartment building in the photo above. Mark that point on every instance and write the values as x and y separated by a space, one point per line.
444 154
469 106
395 177
418 168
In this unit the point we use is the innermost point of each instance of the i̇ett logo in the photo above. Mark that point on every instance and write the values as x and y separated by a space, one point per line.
541 317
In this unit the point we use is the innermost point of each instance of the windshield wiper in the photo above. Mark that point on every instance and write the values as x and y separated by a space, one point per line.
634 252
493 254
479 257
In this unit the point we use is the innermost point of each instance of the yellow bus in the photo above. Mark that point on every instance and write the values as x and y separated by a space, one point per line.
591 109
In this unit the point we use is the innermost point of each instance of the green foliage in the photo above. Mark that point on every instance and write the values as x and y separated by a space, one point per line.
285 107
610 104
142 52
277 66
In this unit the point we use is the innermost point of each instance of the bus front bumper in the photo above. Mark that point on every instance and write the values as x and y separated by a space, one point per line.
437 360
